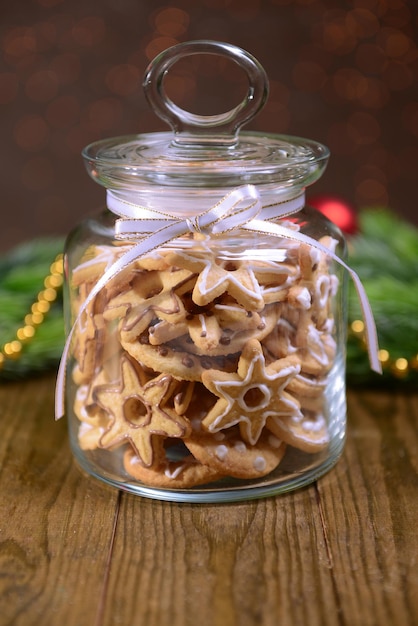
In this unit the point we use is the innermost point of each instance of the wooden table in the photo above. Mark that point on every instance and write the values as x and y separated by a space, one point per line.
342 552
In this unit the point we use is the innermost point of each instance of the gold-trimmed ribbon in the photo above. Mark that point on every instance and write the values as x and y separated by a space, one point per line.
240 208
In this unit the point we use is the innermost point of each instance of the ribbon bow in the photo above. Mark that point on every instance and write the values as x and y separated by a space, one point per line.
241 208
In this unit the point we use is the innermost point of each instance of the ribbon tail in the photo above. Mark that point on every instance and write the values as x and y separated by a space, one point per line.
61 378
370 326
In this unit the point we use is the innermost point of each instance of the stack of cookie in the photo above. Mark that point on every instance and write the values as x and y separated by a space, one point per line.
195 364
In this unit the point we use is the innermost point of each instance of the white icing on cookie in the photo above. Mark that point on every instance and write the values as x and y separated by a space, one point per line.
317 348
328 326
240 446
304 298
221 452
314 426
315 255
274 442
229 307
174 472
202 321
322 290
84 428
253 291
330 243
259 463
334 284
82 393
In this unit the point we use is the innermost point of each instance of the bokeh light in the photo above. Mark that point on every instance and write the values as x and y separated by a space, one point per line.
70 73
171 22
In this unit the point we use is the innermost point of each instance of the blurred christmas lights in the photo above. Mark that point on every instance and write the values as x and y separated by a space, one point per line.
71 74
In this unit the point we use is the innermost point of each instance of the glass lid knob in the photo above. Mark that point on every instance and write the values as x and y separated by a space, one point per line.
189 128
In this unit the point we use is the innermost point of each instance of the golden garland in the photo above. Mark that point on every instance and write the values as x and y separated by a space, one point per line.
39 309
399 367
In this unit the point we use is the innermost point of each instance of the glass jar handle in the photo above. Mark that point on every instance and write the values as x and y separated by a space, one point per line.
191 129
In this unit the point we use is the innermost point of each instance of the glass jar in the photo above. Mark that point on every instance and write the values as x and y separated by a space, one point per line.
205 307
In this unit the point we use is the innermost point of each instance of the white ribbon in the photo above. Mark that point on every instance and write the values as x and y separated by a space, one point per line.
241 208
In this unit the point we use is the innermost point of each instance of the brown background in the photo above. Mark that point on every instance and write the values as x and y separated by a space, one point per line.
343 73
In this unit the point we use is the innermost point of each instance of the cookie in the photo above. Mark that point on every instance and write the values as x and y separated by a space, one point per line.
93 421
89 337
183 396
175 361
307 432
216 276
227 453
98 259
234 336
273 273
316 348
275 285
299 297
164 332
317 279
280 342
152 295
232 315
154 260
137 411
210 330
169 474
252 394
313 404
307 386
95 261
202 331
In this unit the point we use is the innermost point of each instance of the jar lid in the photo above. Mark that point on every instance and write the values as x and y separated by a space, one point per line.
205 151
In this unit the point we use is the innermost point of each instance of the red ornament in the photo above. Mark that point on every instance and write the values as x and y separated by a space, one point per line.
338 211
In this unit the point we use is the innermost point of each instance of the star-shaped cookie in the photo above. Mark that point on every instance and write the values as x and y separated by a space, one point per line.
138 412
253 394
153 294
217 277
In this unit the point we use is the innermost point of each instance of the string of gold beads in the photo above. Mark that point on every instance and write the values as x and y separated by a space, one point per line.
39 309
399 367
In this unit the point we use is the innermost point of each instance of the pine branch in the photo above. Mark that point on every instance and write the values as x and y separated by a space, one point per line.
385 255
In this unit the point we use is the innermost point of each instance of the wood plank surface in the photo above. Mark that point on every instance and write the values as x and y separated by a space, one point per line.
55 526
371 512
343 551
